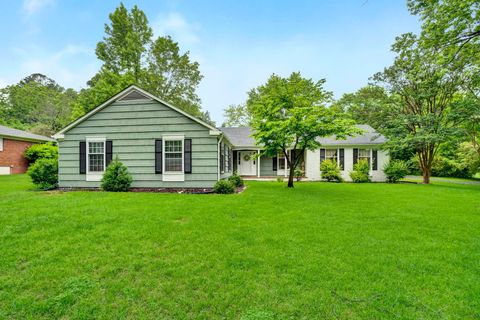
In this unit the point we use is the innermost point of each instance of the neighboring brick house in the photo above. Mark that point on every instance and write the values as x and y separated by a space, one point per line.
13 143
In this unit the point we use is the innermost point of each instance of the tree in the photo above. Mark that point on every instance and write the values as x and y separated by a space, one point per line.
290 114
236 116
37 103
426 86
131 56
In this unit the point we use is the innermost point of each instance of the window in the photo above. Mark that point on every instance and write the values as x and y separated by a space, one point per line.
281 161
96 156
364 154
173 156
331 154
1 144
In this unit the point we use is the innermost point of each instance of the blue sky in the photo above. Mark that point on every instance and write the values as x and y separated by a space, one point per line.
238 44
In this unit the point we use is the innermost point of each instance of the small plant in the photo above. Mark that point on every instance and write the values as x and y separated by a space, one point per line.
395 170
298 174
224 187
279 179
44 173
116 177
360 172
331 171
236 180
41 151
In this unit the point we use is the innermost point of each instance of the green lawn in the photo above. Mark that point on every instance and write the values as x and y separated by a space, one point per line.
334 251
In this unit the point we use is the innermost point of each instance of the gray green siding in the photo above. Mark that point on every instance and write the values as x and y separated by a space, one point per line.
133 128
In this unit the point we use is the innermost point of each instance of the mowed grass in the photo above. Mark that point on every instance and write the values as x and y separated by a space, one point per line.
319 251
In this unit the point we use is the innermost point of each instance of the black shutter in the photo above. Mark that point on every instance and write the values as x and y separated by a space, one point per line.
222 160
274 163
341 159
187 156
158 156
374 160
83 157
322 156
108 152
355 156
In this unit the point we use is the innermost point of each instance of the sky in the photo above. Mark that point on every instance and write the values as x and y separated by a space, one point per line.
238 44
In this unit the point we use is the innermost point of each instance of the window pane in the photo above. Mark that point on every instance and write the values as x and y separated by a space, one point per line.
95 147
331 153
364 153
95 163
173 162
173 146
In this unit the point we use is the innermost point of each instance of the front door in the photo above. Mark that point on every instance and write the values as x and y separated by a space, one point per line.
247 163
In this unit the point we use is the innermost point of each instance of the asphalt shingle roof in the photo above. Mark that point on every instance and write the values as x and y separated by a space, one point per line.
21 135
241 137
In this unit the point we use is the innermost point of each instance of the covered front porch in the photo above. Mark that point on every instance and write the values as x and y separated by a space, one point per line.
248 164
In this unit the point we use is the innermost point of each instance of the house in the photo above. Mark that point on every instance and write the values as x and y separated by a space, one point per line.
345 152
165 147
13 143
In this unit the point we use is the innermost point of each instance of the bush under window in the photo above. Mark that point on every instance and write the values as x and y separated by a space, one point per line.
236 180
360 173
116 177
330 171
395 170
44 173
224 187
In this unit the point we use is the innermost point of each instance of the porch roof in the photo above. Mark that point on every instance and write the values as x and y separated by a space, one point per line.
242 137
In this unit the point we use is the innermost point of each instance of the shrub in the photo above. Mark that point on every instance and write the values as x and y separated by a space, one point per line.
41 151
330 171
395 170
116 177
236 180
224 187
298 174
360 172
279 179
445 167
44 173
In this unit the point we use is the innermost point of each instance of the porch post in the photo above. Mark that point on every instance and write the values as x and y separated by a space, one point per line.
258 164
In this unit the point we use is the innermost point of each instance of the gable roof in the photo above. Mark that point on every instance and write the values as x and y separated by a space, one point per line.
127 93
242 137
22 135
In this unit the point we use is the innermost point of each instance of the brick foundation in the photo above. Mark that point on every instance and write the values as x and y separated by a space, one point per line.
12 155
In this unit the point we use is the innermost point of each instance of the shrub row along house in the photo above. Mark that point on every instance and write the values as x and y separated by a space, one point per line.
13 143
165 147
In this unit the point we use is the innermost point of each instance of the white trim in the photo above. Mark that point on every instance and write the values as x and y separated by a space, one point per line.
1 143
97 175
258 163
173 175
213 130
218 157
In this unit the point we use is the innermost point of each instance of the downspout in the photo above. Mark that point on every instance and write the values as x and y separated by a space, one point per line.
218 157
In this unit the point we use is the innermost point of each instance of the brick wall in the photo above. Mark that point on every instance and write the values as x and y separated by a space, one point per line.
12 155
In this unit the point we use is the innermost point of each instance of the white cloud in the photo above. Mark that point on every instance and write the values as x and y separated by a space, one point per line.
33 6
175 25
71 66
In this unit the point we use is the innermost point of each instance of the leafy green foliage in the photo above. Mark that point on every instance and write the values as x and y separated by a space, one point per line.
224 186
298 174
47 150
395 170
236 180
116 177
360 173
291 113
44 173
236 116
130 55
330 171
37 103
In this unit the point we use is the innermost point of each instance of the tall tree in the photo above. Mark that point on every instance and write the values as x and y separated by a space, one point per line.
427 86
37 103
236 116
130 55
290 114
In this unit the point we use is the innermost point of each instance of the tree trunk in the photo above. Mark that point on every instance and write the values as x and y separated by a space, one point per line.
426 176
290 177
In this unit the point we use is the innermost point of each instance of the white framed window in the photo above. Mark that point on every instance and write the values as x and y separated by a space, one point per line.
281 161
1 144
173 158
331 154
96 158
365 154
